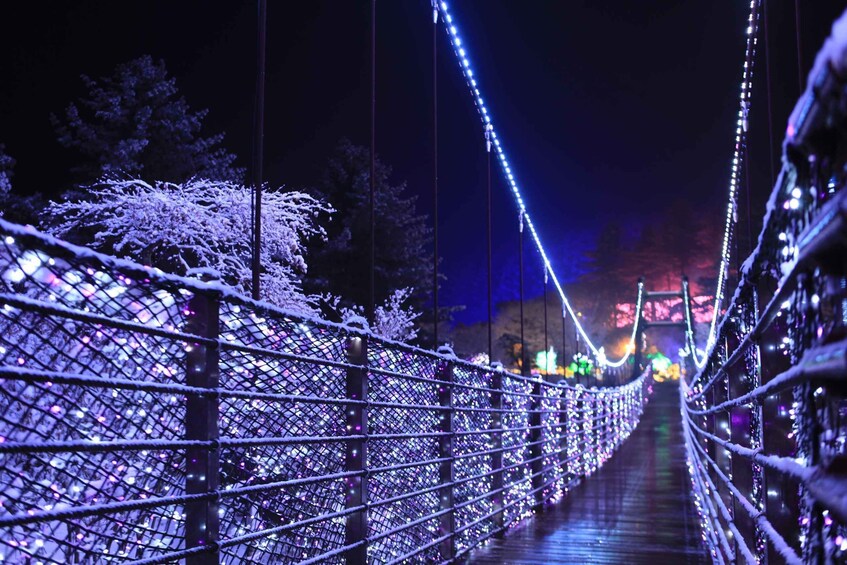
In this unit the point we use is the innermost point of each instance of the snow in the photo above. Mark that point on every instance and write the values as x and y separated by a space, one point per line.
200 227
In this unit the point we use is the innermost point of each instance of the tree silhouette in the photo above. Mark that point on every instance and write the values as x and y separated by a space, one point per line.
134 123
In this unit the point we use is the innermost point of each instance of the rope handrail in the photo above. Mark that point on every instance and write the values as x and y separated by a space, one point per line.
214 424
765 406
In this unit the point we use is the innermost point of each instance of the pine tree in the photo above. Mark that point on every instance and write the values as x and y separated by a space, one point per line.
7 164
134 123
339 265
13 206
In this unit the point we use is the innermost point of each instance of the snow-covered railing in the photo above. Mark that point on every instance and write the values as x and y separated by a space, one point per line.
765 420
148 418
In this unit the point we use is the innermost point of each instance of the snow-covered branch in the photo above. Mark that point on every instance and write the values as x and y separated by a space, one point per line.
198 226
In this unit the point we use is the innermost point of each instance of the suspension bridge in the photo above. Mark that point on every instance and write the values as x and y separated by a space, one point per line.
151 418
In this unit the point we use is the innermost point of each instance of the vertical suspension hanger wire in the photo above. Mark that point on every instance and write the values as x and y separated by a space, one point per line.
488 240
372 196
766 26
464 63
435 170
520 290
799 44
564 342
546 347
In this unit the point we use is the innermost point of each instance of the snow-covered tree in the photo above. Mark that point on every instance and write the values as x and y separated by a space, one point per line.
394 319
197 226
135 123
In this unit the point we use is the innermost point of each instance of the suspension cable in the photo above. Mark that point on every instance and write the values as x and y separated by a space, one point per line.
735 178
485 117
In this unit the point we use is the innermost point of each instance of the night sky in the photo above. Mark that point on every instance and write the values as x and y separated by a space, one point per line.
608 109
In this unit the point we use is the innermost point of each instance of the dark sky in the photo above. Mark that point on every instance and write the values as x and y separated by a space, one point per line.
608 109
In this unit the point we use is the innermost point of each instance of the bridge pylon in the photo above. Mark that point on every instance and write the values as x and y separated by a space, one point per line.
642 325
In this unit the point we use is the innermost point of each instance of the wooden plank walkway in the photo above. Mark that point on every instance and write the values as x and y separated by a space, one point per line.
636 509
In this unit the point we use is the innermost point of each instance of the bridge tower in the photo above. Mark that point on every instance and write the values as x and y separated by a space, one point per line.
643 325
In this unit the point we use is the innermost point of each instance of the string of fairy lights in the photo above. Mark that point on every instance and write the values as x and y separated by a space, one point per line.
731 218
491 135
287 431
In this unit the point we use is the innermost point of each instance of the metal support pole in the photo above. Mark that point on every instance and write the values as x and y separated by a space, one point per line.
733 508
600 425
356 452
202 523
535 450
497 446
576 350
258 148
639 328
444 376
757 435
563 434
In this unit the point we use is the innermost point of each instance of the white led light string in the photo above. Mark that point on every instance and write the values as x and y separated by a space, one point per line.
689 327
737 161
464 63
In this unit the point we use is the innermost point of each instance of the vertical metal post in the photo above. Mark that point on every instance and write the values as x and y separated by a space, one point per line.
639 328
728 455
356 453
444 376
563 433
497 446
576 350
201 424
258 148
760 487
600 426
536 466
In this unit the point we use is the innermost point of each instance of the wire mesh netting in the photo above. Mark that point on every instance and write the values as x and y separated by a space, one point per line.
404 403
150 417
91 405
277 375
764 417
474 483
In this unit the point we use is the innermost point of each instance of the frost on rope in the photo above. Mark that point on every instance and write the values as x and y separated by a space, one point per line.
198 227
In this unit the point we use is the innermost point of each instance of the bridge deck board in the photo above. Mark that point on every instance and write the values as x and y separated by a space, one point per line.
636 509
